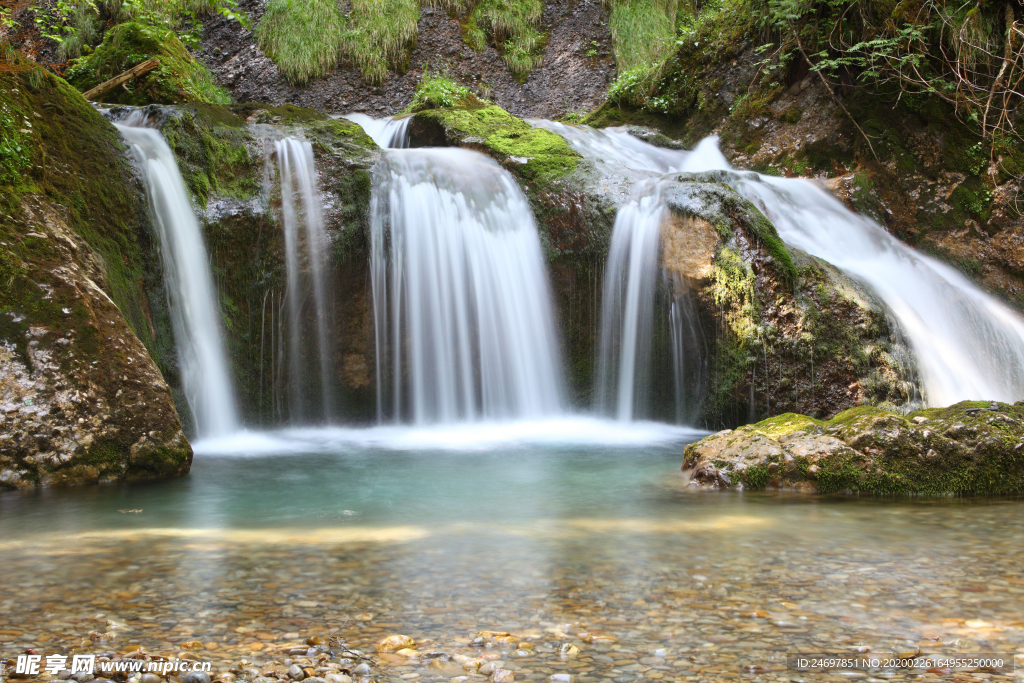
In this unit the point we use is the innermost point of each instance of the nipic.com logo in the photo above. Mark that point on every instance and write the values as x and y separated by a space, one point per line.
33 665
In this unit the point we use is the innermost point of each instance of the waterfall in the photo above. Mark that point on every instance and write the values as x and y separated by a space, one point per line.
968 345
304 232
191 295
628 373
462 311
627 305
388 133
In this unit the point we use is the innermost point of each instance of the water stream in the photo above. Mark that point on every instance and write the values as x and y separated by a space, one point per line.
192 298
462 311
967 344
306 267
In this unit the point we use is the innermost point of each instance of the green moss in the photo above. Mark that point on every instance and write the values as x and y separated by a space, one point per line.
963 449
180 78
785 424
76 161
547 156
756 477
211 148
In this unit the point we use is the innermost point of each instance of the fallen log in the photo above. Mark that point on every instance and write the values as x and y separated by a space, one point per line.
134 72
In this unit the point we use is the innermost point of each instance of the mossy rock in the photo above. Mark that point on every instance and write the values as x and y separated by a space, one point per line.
973 447
80 275
532 154
179 79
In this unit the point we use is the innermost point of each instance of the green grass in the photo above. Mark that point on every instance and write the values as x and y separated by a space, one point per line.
514 28
439 91
380 34
303 37
307 38
643 31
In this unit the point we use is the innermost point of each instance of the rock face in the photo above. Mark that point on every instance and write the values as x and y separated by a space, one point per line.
226 158
576 71
785 331
971 447
81 399
928 177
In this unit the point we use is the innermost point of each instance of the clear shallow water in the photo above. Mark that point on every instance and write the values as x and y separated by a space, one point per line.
255 551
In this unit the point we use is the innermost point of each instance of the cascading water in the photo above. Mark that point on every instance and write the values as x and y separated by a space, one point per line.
191 294
389 133
627 305
304 232
967 344
462 312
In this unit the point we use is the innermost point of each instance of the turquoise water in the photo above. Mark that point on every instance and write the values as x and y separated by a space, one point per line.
527 528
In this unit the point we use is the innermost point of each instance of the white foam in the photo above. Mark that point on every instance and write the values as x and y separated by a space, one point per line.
465 436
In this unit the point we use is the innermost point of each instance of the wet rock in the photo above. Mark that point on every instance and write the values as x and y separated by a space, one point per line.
296 673
394 643
337 678
196 677
75 336
503 676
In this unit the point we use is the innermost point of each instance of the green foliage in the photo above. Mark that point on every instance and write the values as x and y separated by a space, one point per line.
303 37
15 151
440 91
643 31
380 35
180 78
513 26
78 25
634 85
306 38
72 24
7 22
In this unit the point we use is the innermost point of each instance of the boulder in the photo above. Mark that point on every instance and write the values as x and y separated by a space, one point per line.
970 448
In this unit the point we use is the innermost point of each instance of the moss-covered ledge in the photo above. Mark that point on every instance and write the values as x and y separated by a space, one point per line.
532 154
973 447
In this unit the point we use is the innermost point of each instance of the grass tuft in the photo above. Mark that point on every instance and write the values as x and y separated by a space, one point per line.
306 38
643 31
440 91
513 26
303 37
380 34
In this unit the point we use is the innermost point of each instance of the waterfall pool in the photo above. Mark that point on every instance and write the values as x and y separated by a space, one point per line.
532 528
